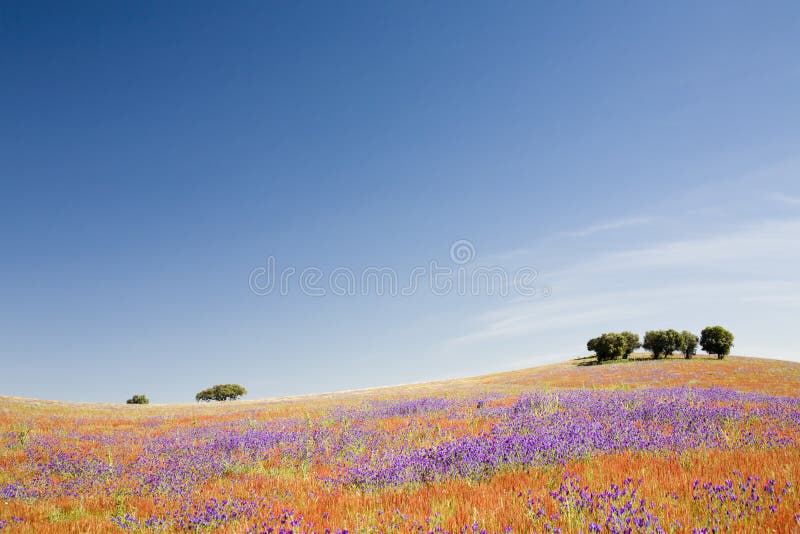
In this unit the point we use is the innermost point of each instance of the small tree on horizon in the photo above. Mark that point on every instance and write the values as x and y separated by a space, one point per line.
716 340
221 392
689 344
138 399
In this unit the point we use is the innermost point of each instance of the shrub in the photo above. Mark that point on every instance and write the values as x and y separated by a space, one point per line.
138 399
221 392
716 340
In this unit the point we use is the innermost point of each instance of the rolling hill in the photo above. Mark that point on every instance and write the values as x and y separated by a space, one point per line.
668 445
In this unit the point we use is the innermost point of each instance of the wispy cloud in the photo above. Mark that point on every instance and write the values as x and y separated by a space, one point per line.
592 229
766 240
571 312
532 318
608 226
783 198
733 260
767 251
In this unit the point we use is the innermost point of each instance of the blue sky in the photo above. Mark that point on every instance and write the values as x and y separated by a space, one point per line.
643 159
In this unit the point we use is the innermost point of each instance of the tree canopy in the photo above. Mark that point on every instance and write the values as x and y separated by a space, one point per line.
609 346
716 340
689 344
138 399
631 342
221 392
662 343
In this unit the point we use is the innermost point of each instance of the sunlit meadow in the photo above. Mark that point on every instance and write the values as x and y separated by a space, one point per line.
675 445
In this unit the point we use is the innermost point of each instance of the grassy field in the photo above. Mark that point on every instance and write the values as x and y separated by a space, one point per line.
673 445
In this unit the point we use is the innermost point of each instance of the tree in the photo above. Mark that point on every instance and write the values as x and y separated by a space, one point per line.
653 341
716 340
221 392
609 346
673 341
689 348
631 343
138 399
662 342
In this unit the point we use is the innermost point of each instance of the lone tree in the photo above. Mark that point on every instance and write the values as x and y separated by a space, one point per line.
138 399
221 392
662 343
631 343
609 346
689 344
716 340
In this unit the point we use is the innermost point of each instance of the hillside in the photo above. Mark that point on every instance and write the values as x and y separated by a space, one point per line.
505 452
776 377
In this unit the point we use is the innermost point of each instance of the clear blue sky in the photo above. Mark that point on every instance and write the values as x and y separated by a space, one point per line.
643 157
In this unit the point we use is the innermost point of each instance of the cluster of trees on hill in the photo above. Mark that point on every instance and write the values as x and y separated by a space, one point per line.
220 392
662 343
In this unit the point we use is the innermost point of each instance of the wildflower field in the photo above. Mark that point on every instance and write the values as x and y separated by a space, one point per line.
674 445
